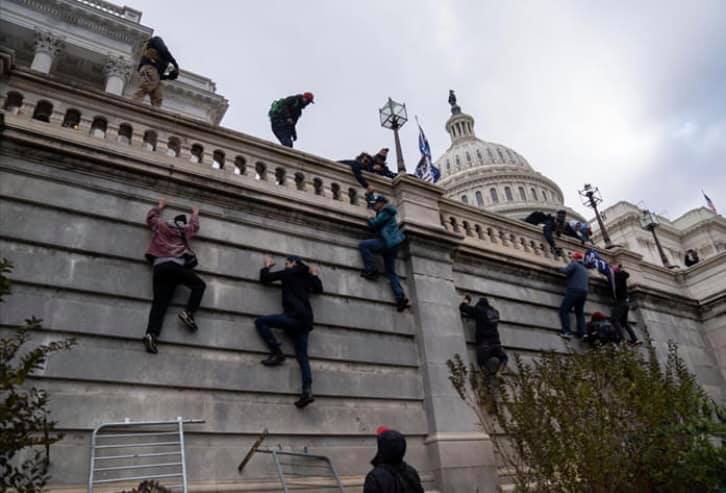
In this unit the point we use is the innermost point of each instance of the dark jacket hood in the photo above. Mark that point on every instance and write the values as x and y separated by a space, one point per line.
391 448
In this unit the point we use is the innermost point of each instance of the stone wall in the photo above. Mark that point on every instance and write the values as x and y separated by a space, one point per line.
72 210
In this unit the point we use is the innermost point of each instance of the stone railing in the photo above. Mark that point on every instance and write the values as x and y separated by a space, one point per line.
118 125
110 8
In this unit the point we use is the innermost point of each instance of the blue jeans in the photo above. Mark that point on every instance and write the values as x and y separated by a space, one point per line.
299 335
368 248
573 298
285 133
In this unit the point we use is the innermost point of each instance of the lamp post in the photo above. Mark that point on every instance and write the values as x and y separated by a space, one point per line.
393 116
591 197
649 221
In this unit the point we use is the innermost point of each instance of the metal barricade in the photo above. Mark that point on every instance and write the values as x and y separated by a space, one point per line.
139 450
321 466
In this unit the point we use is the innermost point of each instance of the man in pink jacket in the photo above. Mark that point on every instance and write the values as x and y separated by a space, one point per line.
170 255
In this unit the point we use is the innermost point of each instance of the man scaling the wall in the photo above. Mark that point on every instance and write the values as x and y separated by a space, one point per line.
284 114
155 59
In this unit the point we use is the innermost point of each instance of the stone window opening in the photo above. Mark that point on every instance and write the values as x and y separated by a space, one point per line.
448 166
240 165
98 127
479 157
508 193
13 102
218 158
468 157
300 181
173 147
479 199
335 189
43 111
150 140
260 171
280 175
544 195
353 196
318 186
495 196
72 119
534 194
197 152
125 131
465 199
522 194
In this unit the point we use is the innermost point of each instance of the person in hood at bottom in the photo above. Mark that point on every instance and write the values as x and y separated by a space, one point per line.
390 473
389 239
299 281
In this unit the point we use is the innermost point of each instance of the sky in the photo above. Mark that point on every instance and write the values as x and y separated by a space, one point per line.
627 96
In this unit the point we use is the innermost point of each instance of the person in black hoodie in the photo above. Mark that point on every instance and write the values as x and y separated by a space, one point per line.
619 315
298 282
155 59
489 353
284 114
390 474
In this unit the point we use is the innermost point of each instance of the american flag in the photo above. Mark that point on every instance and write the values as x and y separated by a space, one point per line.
425 169
709 203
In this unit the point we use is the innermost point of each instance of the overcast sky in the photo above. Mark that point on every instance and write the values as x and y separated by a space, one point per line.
628 97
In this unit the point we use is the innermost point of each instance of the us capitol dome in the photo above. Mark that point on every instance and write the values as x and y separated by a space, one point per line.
492 176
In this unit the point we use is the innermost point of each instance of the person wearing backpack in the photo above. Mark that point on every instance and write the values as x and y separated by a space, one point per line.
600 330
389 239
490 355
298 281
155 59
173 264
284 114
390 474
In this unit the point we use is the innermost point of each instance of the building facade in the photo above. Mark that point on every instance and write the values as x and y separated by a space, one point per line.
492 176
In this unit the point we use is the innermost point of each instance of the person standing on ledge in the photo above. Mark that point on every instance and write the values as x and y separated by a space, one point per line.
298 282
155 59
284 114
691 258
389 239
575 295
173 262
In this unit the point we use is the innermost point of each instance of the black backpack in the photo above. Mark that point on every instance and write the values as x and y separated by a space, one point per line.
604 331
491 316
408 481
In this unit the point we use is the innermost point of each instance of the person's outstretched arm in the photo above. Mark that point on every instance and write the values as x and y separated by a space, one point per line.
267 277
153 218
317 284
466 309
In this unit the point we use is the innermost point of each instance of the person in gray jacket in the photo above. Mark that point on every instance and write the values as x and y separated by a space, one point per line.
575 295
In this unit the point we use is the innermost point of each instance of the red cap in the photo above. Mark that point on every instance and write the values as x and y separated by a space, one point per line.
599 316
309 96
381 430
576 256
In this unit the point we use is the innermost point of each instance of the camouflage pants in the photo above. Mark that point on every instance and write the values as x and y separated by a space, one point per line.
150 84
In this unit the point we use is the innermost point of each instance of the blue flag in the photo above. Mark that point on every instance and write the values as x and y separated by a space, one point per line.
593 260
425 169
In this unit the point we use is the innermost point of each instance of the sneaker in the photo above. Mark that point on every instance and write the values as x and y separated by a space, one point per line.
274 359
188 320
403 304
635 343
150 344
305 399
371 275
566 335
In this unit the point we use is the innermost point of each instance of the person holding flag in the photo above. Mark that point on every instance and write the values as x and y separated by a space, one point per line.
425 170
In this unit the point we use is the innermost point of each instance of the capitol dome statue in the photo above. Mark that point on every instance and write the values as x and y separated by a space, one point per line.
492 176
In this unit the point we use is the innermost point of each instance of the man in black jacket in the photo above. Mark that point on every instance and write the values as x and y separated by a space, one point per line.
155 59
490 355
390 473
298 282
619 314
284 114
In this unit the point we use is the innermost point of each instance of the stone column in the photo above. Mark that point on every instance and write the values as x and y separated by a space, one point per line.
117 71
47 47
461 455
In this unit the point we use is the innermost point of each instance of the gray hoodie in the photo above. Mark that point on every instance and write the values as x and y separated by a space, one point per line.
577 275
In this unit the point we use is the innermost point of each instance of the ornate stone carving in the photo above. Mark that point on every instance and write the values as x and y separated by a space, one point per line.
47 42
117 66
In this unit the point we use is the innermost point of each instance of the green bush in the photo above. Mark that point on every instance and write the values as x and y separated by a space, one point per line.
607 420
25 432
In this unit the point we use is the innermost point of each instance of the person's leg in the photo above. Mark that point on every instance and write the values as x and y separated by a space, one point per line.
264 325
389 263
146 74
367 248
579 304
565 307
164 285
283 134
622 320
156 95
189 278
300 339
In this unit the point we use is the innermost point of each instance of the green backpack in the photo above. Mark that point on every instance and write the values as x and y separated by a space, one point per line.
276 107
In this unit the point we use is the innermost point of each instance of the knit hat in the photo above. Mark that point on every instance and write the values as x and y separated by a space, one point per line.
576 256
373 198
181 218
599 316
381 156
309 96
381 429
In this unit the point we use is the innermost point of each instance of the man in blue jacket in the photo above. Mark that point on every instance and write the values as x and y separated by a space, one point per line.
575 295
298 281
389 238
